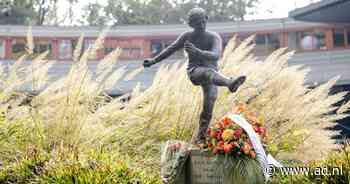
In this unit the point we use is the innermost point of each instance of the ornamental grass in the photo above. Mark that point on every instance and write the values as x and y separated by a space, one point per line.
74 114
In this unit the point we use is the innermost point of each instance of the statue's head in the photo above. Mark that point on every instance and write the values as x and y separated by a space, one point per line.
197 19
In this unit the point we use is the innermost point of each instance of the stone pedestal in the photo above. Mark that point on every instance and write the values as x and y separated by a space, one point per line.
201 168
205 168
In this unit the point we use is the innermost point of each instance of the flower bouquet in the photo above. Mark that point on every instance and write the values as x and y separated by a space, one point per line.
229 140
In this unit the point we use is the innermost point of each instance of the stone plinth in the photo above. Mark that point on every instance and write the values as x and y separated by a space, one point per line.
201 168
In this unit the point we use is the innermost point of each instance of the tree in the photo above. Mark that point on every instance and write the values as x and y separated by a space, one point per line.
142 12
92 14
16 12
175 11
36 12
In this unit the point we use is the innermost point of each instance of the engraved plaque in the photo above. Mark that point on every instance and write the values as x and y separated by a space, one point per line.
203 168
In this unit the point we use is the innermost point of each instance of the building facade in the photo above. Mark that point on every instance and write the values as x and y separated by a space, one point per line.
138 42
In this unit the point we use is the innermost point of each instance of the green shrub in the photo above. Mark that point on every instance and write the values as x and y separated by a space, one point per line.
337 170
96 167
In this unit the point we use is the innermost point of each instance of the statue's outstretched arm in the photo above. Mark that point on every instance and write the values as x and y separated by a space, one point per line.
176 45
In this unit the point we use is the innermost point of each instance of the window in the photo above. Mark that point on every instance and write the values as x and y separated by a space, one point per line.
135 52
65 49
18 48
156 47
266 43
108 50
42 46
293 40
126 52
2 48
348 36
88 43
273 42
312 40
338 38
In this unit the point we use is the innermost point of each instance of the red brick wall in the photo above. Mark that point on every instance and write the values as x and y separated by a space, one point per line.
8 48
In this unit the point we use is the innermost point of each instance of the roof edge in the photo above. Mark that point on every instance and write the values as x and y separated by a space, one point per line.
313 7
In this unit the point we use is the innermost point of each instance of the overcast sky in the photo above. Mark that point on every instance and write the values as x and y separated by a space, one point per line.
266 9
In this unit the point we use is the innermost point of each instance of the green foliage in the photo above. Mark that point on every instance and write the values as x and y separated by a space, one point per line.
97 166
336 170
92 14
243 170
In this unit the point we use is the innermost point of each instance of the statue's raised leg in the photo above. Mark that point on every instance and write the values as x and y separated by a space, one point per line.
208 76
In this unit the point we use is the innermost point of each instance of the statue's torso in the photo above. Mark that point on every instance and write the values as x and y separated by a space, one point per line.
203 41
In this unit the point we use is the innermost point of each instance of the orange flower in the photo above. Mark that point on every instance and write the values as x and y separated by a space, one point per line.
252 154
239 108
226 122
210 145
213 133
245 148
252 117
218 125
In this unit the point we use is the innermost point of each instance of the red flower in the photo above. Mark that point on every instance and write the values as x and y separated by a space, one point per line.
262 131
215 150
238 154
234 144
208 131
238 132
227 148
218 135
221 145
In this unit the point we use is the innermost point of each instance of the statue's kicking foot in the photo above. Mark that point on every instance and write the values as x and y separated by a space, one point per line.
236 83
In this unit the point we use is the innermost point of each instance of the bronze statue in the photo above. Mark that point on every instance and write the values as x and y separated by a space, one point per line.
204 49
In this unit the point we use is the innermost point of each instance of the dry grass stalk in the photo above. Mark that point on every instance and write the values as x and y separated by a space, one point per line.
73 111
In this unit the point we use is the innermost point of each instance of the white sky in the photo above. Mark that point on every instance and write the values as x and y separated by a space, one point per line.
266 9
277 8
